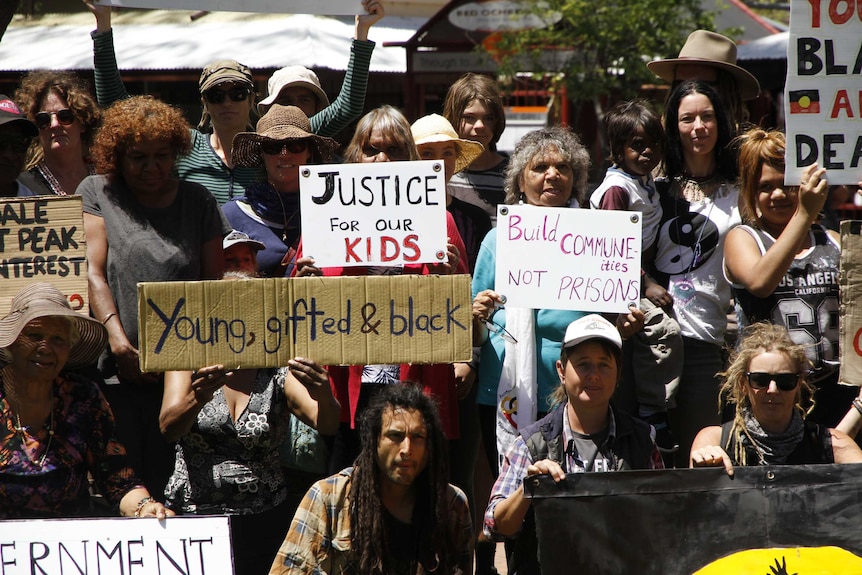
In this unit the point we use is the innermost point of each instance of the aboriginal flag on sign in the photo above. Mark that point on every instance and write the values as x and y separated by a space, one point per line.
773 519
804 101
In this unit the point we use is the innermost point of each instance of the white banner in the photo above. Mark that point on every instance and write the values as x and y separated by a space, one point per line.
563 258
822 97
328 7
121 546
387 213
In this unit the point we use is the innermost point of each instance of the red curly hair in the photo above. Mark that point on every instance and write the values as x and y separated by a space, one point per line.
135 120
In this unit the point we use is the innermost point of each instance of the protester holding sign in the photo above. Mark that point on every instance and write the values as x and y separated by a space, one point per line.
269 211
228 426
700 205
520 346
227 96
784 268
55 426
298 86
766 381
583 434
384 135
141 225
67 116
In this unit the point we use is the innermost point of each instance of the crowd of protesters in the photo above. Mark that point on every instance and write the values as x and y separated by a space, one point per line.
657 387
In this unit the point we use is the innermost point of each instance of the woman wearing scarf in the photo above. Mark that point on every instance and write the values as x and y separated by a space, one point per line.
269 212
766 382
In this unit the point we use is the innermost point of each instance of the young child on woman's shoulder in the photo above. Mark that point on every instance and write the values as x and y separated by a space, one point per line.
635 136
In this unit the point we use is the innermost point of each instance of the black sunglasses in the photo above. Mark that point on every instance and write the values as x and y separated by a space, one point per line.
43 119
784 381
274 147
238 94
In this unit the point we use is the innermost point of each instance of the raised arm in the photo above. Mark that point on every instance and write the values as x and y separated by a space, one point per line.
186 393
350 102
760 273
109 83
309 395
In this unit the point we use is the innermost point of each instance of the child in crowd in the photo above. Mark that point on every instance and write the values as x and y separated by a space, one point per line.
240 253
654 356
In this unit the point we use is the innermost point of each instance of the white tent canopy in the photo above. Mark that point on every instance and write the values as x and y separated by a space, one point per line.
311 41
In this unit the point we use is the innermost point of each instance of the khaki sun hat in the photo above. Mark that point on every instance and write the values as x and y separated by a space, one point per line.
279 123
225 71
44 300
290 76
710 49
435 128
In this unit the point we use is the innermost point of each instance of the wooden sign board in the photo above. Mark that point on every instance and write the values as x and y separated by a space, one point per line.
378 214
335 321
822 104
329 7
42 240
564 258
188 545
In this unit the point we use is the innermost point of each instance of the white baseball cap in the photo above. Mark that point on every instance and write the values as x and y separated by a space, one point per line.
589 327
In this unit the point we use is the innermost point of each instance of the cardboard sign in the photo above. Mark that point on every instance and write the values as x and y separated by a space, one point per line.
331 7
563 258
850 310
700 521
335 321
822 97
42 240
178 545
378 214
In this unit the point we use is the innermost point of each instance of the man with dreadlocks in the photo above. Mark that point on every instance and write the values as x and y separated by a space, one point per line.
394 512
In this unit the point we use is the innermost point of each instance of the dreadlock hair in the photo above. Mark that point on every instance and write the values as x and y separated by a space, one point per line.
434 546
756 339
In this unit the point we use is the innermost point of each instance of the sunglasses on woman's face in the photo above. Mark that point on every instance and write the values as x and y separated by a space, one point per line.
274 147
43 119
216 96
784 381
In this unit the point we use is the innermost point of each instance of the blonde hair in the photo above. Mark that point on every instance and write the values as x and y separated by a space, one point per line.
757 148
757 339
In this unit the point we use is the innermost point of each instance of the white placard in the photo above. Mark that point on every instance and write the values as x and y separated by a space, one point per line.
330 7
121 546
378 214
563 258
822 97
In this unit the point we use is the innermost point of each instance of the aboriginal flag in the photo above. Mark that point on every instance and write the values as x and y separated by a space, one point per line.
786 519
804 101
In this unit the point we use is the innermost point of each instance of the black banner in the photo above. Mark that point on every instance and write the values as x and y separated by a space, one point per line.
773 520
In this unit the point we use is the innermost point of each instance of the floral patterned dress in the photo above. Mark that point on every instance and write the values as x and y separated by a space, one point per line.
227 466
44 476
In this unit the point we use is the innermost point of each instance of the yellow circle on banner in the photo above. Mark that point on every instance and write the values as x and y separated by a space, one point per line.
804 102
787 561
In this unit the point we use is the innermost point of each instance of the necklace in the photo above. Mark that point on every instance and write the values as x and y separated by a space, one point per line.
696 189
50 427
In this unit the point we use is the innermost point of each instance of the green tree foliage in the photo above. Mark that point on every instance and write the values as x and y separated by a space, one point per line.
600 47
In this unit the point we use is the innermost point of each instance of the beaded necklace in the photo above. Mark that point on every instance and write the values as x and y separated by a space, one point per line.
50 427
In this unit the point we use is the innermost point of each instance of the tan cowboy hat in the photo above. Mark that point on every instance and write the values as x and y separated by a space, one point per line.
279 123
44 300
436 128
710 49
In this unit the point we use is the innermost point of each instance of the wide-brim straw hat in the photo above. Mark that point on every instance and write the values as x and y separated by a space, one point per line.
44 300
279 123
709 49
435 128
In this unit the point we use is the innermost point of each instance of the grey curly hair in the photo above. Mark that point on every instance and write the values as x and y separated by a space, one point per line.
558 138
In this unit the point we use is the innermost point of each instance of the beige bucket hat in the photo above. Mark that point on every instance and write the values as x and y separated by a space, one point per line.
436 128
